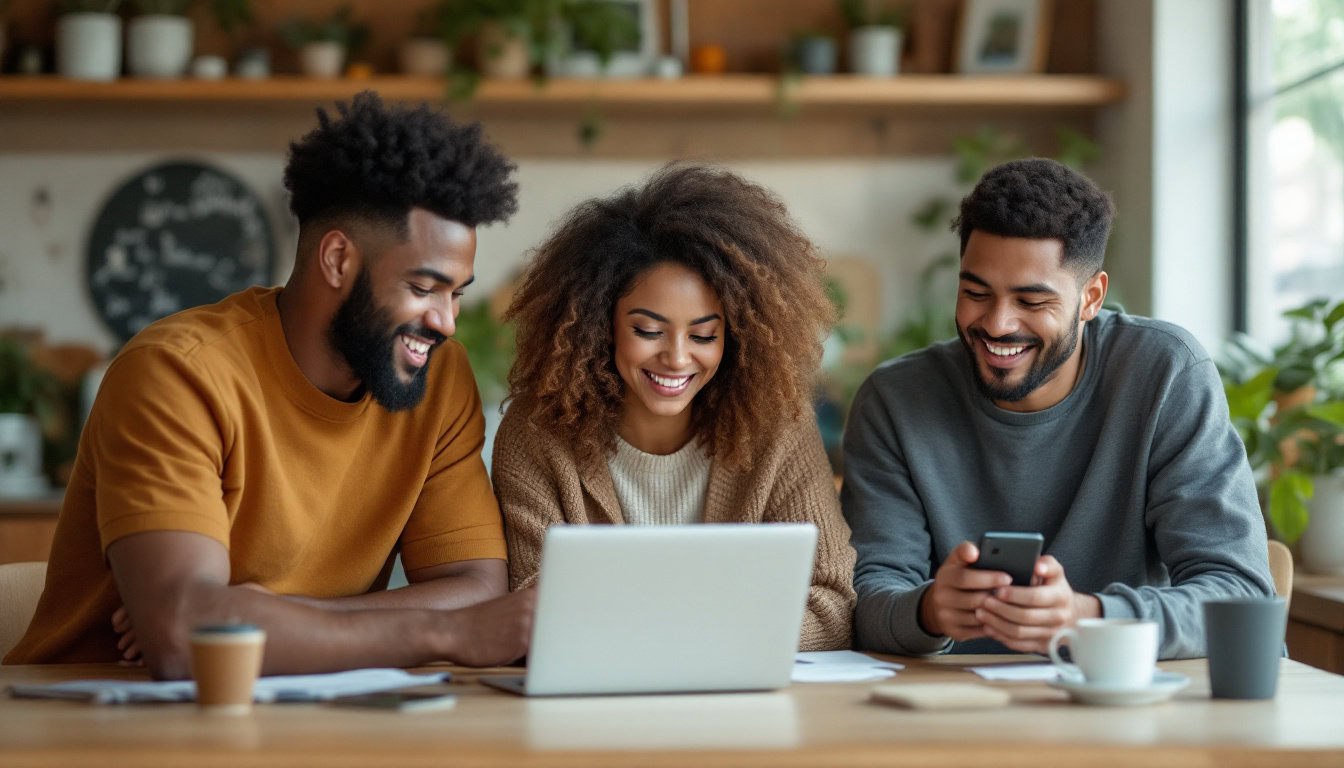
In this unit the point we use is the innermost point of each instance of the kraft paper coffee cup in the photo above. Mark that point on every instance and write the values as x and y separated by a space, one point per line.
226 661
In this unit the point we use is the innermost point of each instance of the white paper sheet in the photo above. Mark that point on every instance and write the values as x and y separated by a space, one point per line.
268 689
840 667
1017 672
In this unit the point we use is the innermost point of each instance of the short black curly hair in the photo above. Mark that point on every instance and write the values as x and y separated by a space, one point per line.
377 163
1040 198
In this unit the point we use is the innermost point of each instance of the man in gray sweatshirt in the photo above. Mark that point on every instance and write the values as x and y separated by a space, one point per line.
1105 432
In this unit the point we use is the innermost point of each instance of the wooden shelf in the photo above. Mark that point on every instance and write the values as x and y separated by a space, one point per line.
726 91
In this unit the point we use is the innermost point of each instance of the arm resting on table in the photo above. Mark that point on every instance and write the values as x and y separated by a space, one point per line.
173 581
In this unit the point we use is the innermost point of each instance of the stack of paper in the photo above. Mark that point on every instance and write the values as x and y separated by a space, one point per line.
840 667
267 689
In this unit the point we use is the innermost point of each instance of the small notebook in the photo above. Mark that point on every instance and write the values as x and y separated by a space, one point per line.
941 695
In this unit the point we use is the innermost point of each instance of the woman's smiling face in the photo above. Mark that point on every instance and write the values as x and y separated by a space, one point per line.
668 336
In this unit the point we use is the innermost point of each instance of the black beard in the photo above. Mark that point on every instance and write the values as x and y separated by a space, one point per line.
356 332
1041 371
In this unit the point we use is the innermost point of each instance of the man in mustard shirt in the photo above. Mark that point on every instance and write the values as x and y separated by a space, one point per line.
260 460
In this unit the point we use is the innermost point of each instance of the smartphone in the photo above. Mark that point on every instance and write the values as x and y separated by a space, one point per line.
406 701
1013 553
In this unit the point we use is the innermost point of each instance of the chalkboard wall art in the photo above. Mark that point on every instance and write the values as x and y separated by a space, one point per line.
175 236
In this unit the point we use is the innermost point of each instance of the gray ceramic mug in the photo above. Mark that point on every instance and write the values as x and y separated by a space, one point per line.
1244 638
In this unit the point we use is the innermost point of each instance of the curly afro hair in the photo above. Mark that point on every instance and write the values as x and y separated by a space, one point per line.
1039 198
377 163
734 234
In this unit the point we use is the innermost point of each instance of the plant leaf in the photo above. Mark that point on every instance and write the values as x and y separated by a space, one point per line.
1332 412
1287 509
1335 316
1247 401
1294 377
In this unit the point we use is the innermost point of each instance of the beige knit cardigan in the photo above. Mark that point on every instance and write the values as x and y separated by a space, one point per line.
539 482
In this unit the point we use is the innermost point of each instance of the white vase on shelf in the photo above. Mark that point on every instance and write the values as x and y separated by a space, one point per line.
322 59
88 46
159 46
875 51
424 57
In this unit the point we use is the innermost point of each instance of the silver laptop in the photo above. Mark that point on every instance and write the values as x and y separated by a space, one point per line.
661 609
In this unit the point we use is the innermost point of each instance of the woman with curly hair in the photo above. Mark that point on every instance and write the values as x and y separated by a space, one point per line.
667 341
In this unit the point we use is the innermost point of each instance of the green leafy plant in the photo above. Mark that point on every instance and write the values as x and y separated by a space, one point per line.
337 28
163 7
601 27
89 6
490 349
1287 403
867 13
25 388
232 15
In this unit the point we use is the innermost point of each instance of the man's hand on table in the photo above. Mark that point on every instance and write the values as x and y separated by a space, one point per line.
493 633
1025 618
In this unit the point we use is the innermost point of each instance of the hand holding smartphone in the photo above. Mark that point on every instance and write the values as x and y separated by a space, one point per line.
1013 553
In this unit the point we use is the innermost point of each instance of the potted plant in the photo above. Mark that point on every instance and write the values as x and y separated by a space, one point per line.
874 37
513 35
505 33
428 53
810 52
1288 405
324 45
235 19
88 40
27 396
159 40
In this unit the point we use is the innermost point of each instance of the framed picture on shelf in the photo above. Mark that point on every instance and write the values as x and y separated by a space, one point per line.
1003 36
573 57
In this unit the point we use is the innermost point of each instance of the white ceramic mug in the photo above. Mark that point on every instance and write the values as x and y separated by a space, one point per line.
1111 652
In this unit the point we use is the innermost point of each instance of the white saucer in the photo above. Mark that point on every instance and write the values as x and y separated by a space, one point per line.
1163 687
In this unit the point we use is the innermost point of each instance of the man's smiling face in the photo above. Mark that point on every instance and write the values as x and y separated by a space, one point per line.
1019 316
404 303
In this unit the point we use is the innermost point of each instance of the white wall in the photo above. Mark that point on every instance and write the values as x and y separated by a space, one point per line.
1169 159
856 207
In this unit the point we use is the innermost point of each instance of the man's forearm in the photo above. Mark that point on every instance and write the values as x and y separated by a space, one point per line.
300 639
444 594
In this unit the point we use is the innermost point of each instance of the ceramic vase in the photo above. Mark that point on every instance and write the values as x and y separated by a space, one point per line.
322 59
875 51
1322 543
158 46
88 46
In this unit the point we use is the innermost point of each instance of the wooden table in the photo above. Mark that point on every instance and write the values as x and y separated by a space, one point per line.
1316 622
806 724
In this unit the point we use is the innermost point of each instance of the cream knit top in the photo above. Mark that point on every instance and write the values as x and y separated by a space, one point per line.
660 490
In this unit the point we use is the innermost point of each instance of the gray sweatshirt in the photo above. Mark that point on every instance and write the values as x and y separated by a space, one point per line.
1137 480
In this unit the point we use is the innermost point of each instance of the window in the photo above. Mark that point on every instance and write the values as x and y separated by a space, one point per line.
1295 163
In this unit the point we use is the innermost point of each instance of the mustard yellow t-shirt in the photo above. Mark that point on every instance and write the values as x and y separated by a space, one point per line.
205 423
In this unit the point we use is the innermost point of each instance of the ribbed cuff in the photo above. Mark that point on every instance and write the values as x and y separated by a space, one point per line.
1115 607
905 626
